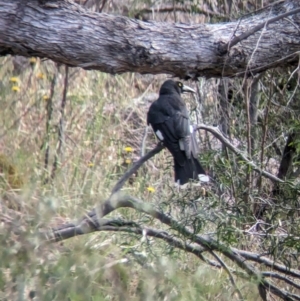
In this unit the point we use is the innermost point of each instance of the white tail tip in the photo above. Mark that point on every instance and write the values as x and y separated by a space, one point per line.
203 178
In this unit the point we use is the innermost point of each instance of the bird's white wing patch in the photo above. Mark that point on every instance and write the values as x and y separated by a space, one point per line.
159 135
191 129
203 178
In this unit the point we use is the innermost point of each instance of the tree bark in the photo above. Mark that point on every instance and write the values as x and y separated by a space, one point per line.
67 33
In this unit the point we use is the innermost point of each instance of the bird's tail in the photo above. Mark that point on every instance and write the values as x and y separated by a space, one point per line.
190 170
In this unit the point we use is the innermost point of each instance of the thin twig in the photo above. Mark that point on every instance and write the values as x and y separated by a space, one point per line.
258 27
95 218
246 87
49 110
197 244
102 6
61 138
264 135
223 264
217 133
135 167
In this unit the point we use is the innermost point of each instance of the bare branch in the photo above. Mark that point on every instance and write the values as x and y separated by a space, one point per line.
258 27
195 244
269 263
287 296
94 221
102 6
217 133
223 264
61 130
118 225
129 227
280 277
135 167
49 109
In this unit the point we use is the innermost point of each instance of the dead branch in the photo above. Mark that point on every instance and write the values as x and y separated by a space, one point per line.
195 243
280 277
218 134
95 222
49 110
269 263
258 27
135 167
41 29
61 129
226 268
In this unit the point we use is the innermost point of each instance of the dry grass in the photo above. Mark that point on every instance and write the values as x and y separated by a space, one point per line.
103 115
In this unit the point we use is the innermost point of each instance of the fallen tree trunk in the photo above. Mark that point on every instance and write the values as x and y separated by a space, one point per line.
67 33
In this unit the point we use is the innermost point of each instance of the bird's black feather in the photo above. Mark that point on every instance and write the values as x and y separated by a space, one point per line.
169 115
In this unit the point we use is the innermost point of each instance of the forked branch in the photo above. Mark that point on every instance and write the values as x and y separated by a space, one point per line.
194 243
218 134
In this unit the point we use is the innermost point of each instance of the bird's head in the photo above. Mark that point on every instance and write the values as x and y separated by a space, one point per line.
170 86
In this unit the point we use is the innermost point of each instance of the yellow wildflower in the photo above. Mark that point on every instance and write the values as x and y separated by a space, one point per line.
128 149
41 75
14 79
90 164
46 97
128 161
15 88
151 189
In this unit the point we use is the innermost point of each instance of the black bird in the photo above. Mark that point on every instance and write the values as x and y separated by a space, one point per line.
170 121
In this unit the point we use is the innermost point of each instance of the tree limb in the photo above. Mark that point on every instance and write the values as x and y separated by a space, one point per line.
194 243
269 263
217 133
116 44
136 166
224 265
95 221
280 277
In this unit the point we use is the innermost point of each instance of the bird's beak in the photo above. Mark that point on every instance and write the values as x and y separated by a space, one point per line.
187 89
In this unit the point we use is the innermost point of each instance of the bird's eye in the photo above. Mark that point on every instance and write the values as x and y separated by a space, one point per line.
180 84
